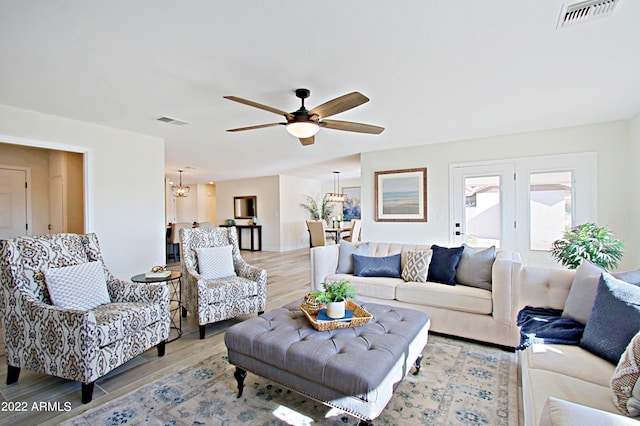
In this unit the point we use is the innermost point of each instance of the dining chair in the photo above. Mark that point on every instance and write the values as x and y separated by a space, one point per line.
317 234
354 235
174 239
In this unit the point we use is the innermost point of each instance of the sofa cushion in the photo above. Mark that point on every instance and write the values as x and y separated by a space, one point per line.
582 292
475 267
615 318
368 266
378 287
568 360
416 266
82 286
117 321
345 256
216 262
444 261
455 298
558 412
624 383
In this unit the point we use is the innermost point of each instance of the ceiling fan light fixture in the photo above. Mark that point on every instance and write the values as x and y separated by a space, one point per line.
302 129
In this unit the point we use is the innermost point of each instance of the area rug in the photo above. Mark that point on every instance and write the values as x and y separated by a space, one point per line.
461 383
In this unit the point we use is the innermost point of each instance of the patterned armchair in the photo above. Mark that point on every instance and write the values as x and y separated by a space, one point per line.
74 344
213 300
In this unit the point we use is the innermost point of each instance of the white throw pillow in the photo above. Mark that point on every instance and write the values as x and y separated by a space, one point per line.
82 286
582 293
216 262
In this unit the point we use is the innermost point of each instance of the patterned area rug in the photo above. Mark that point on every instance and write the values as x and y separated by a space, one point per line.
460 383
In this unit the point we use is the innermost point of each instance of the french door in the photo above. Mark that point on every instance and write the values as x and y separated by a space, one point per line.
523 204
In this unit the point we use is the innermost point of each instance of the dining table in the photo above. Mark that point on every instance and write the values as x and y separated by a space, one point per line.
335 232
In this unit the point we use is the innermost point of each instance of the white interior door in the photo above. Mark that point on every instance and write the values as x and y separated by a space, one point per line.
482 205
13 203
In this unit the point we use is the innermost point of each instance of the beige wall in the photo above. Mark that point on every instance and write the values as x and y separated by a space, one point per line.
266 189
124 182
611 142
37 160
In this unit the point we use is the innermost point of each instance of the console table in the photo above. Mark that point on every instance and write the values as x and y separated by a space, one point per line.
252 231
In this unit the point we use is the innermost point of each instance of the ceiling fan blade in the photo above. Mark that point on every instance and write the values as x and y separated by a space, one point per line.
338 105
307 141
350 126
287 115
259 126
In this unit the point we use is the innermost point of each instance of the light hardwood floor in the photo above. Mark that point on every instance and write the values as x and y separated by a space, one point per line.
287 280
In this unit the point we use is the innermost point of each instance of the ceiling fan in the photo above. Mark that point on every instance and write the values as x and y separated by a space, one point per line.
305 124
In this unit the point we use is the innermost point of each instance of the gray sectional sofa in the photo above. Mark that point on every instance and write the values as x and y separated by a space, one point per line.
486 315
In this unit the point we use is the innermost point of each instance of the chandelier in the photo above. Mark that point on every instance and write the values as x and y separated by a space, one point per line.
336 196
180 190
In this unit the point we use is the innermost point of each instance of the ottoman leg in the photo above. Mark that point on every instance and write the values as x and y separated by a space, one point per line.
240 374
417 365
365 423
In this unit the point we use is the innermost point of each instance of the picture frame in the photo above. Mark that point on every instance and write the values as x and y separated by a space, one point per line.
401 195
351 207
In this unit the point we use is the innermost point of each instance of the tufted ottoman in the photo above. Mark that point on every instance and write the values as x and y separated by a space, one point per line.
353 369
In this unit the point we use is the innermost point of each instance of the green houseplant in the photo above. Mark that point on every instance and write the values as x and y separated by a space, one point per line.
335 295
587 242
317 211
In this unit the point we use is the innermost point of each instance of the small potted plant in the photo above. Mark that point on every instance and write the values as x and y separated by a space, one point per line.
335 295
587 242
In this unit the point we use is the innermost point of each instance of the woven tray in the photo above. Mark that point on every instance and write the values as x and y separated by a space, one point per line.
360 317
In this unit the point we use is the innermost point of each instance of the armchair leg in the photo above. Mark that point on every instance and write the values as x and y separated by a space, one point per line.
184 312
12 374
161 347
87 392
260 313
203 328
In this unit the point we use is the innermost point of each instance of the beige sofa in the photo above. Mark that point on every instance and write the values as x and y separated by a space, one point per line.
459 310
562 384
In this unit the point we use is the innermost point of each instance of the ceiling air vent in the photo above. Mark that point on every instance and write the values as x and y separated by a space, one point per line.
585 11
173 121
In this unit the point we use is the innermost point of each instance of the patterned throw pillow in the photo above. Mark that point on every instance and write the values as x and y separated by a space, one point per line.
82 286
216 262
416 266
624 383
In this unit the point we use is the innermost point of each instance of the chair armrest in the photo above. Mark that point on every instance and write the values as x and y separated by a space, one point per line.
124 291
252 273
504 290
324 261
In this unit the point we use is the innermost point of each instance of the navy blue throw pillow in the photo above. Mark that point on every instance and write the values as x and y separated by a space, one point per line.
367 266
614 320
444 262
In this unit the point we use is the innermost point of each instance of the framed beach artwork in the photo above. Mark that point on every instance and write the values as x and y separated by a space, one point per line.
351 205
401 195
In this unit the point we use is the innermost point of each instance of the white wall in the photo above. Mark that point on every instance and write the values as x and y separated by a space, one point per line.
266 189
124 177
293 217
632 252
610 141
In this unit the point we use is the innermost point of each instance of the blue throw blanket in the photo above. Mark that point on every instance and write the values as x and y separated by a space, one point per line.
546 325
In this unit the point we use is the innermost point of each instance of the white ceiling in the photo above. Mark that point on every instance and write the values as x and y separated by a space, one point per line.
434 70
